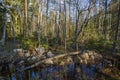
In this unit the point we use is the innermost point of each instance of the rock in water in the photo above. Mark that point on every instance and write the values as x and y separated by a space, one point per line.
28 59
89 57
42 50
34 58
85 56
21 62
40 57
17 50
27 54
50 54
92 57
90 53
49 62
21 55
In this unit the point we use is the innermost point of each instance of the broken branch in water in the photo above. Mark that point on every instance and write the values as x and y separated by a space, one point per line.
50 60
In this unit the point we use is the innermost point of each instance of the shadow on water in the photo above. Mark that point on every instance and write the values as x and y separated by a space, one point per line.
66 72
51 73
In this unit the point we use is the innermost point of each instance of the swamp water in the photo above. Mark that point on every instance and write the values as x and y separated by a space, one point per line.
66 72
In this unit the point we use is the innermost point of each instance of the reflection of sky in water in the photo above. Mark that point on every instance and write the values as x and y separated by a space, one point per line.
69 69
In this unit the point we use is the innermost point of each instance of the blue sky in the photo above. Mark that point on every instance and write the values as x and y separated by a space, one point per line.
82 4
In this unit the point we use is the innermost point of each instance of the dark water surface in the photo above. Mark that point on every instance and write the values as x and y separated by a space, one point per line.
67 72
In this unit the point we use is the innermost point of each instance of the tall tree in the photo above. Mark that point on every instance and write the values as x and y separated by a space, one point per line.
59 23
105 21
69 25
26 18
46 31
39 23
116 31
64 29
84 22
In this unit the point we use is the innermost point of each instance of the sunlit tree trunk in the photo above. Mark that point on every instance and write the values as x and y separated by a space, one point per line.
26 24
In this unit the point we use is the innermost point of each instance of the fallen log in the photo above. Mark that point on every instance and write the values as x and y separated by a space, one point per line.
50 60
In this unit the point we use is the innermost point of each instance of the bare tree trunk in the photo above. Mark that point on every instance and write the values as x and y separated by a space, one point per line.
83 24
76 27
64 29
69 19
99 24
105 23
26 24
4 30
77 32
46 32
39 23
58 26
